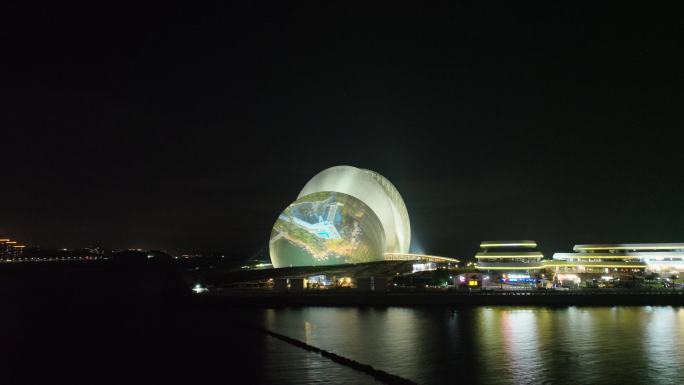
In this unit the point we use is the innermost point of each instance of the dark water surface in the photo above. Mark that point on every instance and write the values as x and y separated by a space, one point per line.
138 324
496 345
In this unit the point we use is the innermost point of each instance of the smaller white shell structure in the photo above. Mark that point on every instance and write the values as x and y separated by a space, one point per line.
342 215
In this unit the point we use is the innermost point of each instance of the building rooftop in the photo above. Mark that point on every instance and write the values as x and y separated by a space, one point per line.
517 243
417 257
630 246
510 254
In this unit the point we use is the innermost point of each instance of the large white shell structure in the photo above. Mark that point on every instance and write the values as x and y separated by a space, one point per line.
376 192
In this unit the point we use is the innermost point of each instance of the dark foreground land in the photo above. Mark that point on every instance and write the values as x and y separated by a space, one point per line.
104 323
137 322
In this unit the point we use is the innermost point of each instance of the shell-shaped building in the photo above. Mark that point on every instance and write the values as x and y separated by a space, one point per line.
343 214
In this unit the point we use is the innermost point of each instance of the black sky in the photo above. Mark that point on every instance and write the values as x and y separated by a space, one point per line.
190 127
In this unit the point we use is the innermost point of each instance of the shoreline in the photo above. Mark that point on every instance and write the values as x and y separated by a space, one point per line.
271 299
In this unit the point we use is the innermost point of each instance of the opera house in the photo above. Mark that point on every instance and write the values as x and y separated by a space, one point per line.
342 215
348 215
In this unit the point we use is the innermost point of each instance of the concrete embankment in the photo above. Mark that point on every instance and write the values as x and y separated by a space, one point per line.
531 298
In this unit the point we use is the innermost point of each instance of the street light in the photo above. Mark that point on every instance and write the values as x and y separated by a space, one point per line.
19 250
10 250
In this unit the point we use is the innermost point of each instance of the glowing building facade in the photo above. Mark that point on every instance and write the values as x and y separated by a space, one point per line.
420 257
342 215
513 257
10 250
621 258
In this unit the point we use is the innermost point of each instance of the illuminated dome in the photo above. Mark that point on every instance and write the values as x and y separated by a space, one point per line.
342 215
375 191
326 228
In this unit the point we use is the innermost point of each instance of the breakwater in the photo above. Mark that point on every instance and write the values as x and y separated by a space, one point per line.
378 374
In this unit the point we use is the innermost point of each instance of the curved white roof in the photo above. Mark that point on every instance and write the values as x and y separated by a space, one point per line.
376 192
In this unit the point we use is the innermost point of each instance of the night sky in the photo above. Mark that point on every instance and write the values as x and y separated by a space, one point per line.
190 128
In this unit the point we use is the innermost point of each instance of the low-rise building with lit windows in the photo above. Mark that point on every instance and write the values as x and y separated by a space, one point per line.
10 250
620 258
511 262
424 262
419 257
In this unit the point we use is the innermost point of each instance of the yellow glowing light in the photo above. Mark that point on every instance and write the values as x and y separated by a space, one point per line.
410 256
489 244
631 246
472 283
531 267
593 264
600 256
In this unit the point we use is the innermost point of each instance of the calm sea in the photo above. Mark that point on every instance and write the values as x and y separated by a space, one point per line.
486 345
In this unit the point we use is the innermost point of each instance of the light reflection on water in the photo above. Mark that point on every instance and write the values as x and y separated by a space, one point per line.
500 345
